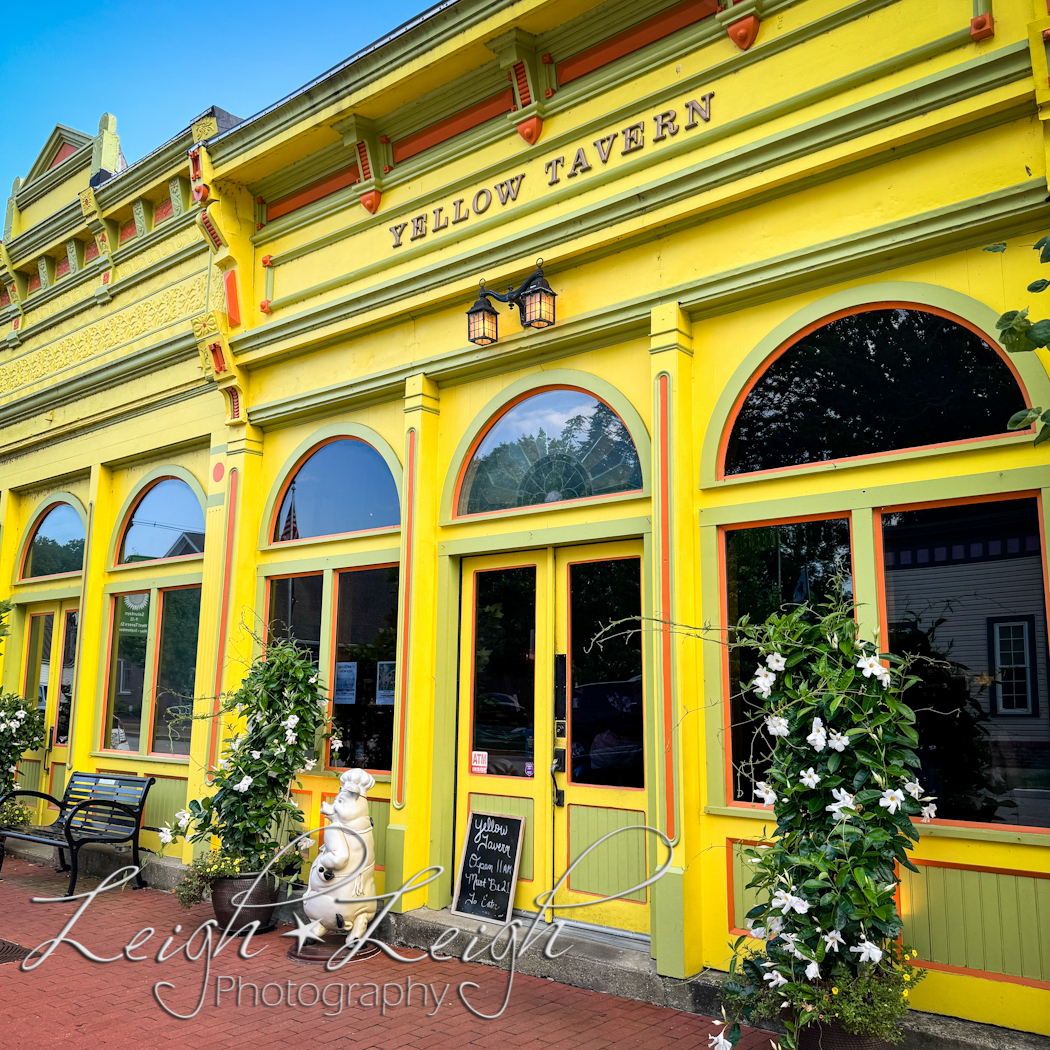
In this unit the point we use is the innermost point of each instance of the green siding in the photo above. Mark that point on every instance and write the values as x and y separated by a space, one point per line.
513 807
166 797
615 865
379 811
743 899
979 920
28 777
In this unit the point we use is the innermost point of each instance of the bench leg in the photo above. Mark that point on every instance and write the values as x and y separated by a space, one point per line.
63 866
141 882
73 871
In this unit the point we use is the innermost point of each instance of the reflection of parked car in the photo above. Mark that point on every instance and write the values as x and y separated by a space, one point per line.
607 732
502 723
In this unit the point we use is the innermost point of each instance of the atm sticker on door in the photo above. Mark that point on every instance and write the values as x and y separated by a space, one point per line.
479 761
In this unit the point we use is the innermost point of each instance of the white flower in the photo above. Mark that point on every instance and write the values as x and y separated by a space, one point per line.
775 979
811 778
782 900
309 764
813 971
767 794
775 925
928 813
892 800
223 763
817 737
12 769
885 680
271 773
776 725
801 906
20 714
868 952
843 801
832 941
245 783
290 722
313 681
718 1041
335 743
756 931
838 741
870 665
914 789
776 662
184 816
255 754
165 835
278 749
289 736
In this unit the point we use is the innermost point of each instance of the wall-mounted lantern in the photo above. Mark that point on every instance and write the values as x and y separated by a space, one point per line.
534 300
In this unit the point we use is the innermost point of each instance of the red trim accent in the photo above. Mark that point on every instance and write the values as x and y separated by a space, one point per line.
314 192
443 130
370 201
67 150
233 302
227 574
850 460
986 975
127 231
62 267
981 28
731 884
104 742
531 129
362 162
267 260
265 306
5 299
161 595
410 497
40 518
163 211
745 32
219 364
521 78
630 40
90 251
34 284
665 602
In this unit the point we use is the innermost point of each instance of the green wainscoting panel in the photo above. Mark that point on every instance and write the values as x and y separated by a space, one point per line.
513 807
615 865
166 797
379 811
743 899
980 920
58 779
28 776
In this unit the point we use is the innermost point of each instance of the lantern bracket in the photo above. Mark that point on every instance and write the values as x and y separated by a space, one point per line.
516 296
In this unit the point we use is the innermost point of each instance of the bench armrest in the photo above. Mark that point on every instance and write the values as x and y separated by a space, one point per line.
37 794
135 814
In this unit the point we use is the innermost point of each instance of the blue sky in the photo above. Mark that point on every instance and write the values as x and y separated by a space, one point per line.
157 65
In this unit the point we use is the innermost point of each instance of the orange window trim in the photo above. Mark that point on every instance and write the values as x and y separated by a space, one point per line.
454 125
634 39
314 192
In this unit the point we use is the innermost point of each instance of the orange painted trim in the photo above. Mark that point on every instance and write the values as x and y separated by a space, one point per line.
233 302
1021 872
224 608
731 885
665 603
484 432
158 639
103 744
866 457
630 40
986 975
314 192
67 150
406 613
443 130
40 518
80 629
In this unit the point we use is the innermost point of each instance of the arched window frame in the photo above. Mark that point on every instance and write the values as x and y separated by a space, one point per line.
522 390
137 495
36 519
943 302
325 436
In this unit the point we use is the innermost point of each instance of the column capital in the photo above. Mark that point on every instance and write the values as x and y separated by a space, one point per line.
422 394
670 329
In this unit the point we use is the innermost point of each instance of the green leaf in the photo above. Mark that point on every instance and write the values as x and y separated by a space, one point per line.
1038 286
998 248
1016 342
1039 333
1007 319
1022 419
834 762
1043 434
1044 255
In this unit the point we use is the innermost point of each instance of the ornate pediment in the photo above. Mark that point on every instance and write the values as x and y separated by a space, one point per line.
61 144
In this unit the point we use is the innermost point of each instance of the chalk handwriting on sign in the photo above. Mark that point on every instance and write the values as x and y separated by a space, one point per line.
488 867
621 142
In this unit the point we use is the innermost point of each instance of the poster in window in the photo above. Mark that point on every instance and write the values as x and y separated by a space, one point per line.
385 682
346 682
134 615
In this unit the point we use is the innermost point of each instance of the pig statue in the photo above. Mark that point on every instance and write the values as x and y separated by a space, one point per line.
338 856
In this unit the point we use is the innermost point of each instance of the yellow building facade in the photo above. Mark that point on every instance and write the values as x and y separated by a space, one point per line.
237 395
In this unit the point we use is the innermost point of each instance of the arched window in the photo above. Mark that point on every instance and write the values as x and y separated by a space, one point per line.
345 486
57 545
167 523
873 381
554 446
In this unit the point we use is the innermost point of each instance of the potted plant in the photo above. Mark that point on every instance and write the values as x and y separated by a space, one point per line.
280 709
841 783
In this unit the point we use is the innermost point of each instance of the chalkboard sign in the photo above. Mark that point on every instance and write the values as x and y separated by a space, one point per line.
488 866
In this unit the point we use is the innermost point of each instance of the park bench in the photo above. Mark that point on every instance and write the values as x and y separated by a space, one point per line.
97 807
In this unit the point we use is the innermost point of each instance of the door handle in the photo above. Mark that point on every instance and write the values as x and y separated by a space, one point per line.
50 745
558 766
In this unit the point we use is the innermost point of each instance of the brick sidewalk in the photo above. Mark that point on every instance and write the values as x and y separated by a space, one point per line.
70 1001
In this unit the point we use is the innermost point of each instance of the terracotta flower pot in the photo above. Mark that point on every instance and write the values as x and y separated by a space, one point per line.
830 1035
224 890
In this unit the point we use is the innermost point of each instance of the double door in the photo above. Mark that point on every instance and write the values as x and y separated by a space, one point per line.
552 723
49 670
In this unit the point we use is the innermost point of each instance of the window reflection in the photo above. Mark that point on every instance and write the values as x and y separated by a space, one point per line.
606 720
38 662
363 679
766 568
505 669
554 446
127 672
871 382
345 486
167 523
295 611
965 593
69 659
176 670
57 545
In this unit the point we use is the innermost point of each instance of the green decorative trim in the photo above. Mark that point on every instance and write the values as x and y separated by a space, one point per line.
548 535
42 172
347 560
59 226
1031 370
335 430
136 757
217 499
154 583
139 575
537 382
715 744
666 927
52 594
33 521
146 481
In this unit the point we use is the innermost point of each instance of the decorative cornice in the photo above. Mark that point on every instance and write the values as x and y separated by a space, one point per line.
32 191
